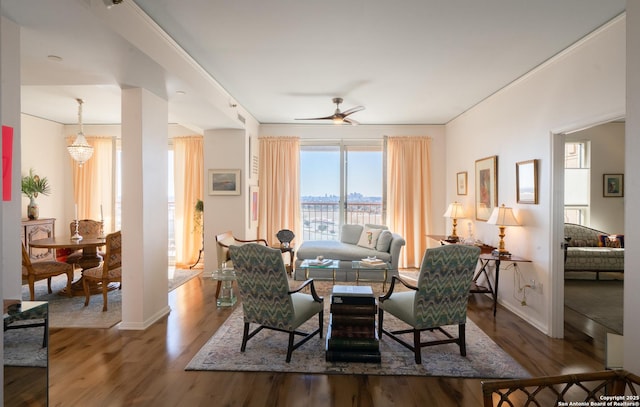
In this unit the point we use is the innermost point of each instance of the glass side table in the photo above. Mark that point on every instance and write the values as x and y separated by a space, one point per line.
227 297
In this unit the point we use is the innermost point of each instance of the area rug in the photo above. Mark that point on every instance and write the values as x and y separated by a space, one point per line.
65 312
23 347
266 352
600 301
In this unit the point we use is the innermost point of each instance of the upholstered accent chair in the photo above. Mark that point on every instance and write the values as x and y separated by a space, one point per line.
267 299
223 241
32 272
439 299
108 272
86 227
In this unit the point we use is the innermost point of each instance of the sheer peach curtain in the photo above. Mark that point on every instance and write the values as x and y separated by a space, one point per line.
409 194
93 183
188 156
279 181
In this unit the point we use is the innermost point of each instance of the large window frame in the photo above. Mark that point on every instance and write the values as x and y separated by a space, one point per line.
577 182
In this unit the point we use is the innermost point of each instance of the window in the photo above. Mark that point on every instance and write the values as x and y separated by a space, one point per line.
340 183
576 182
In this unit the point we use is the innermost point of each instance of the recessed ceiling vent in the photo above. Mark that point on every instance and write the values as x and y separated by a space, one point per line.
241 118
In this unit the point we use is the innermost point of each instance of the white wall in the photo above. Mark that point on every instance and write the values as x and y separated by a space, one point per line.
632 193
607 157
584 85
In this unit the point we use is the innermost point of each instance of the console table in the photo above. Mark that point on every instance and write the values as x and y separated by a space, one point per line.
486 260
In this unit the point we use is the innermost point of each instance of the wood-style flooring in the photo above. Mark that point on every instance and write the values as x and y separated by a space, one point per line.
111 367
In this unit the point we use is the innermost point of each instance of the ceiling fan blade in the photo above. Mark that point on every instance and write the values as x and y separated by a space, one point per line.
318 118
351 121
353 110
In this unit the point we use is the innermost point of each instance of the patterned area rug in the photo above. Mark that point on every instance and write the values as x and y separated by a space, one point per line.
65 312
23 347
267 351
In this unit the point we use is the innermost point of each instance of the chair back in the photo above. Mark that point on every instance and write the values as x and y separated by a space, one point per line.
113 254
443 284
27 267
86 227
223 241
263 285
285 236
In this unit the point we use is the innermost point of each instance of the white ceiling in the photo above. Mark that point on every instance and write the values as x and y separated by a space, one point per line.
406 61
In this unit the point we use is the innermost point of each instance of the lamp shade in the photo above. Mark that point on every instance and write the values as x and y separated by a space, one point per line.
503 216
455 211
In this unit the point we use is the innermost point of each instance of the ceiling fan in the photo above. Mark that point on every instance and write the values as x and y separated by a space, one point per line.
339 117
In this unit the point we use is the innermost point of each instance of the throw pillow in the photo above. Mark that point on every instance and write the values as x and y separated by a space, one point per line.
611 241
384 241
369 238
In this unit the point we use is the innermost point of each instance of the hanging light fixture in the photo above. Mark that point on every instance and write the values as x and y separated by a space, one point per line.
80 149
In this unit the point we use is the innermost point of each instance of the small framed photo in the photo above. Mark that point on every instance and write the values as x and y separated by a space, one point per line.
527 182
613 185
461 182
224 182
486 187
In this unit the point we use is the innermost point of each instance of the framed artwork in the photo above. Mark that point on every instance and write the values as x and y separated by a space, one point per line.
224 182
253 204
527 182
461 182
486 187
613 185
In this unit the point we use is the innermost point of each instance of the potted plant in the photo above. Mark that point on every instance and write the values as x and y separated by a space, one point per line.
32 185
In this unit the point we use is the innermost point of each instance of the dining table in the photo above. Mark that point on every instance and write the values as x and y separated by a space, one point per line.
89 259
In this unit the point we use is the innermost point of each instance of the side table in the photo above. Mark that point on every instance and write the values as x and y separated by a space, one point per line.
485 260
227 297
291 249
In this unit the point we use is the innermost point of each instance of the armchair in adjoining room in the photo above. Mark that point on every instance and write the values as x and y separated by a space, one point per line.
223 242
32 272
439 299
109 271
267 299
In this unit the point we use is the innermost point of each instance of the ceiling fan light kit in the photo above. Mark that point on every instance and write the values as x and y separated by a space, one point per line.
339 117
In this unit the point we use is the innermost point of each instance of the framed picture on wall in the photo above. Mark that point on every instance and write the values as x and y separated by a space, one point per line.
461 182
254 205
224 182
486 187
613 185
527 182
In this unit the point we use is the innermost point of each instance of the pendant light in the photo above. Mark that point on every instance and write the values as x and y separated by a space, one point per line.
80 150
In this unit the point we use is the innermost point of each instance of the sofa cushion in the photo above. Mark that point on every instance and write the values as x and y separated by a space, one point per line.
384 241
369 238
351 233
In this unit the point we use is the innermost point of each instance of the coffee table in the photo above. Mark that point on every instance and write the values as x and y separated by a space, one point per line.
362 266
308 265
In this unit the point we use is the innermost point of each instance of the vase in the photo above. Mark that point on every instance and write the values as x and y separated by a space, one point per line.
33 212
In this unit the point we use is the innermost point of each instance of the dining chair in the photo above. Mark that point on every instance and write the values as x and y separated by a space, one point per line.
108 272
32 272
439 298
267 299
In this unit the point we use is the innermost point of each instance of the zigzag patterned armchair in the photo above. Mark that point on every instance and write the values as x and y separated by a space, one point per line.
267 299
439 299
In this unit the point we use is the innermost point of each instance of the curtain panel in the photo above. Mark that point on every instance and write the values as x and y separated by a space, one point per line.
188 153
93 182
279 182
409 194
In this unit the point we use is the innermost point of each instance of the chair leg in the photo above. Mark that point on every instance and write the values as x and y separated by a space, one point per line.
245 335
290 347
462 340
321 321
105 292
69 281
45 339
32 288
380 319
49 285
416 346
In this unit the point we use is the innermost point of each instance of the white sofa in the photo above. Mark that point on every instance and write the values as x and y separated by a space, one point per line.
346 250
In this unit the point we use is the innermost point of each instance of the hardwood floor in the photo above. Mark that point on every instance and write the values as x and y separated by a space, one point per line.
110 367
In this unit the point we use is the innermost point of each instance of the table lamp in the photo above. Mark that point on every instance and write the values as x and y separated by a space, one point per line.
455 211
502 216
